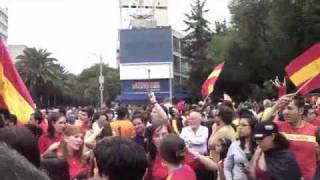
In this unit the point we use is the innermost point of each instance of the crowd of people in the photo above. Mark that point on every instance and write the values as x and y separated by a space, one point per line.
277 140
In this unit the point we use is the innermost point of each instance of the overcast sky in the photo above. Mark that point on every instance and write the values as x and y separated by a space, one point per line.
75 29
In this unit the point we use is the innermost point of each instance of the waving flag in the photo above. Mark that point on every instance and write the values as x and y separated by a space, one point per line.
304 70
208 85
14 95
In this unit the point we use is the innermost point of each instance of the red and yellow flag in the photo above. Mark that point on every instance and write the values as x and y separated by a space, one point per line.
13 93
304 71
208 85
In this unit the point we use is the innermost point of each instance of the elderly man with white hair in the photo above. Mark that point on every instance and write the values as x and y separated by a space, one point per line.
195 135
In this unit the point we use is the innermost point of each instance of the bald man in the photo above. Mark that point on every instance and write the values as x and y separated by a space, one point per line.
195 135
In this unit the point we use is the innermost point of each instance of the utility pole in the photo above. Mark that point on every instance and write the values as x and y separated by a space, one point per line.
170 80
101 82
149 85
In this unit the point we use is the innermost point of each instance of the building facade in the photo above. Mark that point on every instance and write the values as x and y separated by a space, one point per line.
149 54
4 23
143 13
151 60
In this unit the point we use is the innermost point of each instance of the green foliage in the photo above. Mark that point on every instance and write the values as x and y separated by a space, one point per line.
263 37
259 93
89 85
39 72
51 85
196 46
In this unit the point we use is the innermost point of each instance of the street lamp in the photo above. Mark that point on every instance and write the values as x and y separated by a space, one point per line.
170 80
101 82
100 79
149 85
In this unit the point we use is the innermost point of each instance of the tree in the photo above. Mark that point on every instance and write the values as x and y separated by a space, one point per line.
51 84
196 46
263 38
38 71
88 85
221 28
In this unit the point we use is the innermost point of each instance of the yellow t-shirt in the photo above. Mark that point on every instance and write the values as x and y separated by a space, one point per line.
123 128
222 132
262 116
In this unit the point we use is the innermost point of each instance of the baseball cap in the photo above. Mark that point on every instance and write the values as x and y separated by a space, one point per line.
264 129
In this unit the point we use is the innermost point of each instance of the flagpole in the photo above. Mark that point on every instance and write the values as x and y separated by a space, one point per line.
205 99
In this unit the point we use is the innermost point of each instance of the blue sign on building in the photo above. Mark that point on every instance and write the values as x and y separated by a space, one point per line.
137 90
148 53
146 45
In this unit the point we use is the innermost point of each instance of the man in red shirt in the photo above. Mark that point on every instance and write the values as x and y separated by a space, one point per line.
310 115
85 115
300 134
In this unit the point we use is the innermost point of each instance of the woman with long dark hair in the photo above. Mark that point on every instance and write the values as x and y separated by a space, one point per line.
241 151
50 141
173 151
158 170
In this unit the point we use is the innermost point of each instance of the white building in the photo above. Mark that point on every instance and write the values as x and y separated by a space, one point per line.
4 23
152 64
149 55
143 13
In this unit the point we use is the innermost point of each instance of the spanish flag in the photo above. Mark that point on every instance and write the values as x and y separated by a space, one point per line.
14 95
208 85
304 70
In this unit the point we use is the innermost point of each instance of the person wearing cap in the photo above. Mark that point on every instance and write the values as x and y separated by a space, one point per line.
272 160
300 134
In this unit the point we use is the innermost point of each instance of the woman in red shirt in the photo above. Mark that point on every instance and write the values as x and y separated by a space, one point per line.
50 141
173 151
71 149
158 169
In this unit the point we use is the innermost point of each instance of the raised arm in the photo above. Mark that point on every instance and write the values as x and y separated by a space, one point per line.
205 160
157 107
281 103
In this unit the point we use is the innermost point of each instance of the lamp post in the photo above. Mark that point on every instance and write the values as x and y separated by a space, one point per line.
170 81
100 79
101 82
149 85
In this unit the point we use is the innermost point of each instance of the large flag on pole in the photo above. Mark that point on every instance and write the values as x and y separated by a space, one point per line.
208 85
304 71
14 95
